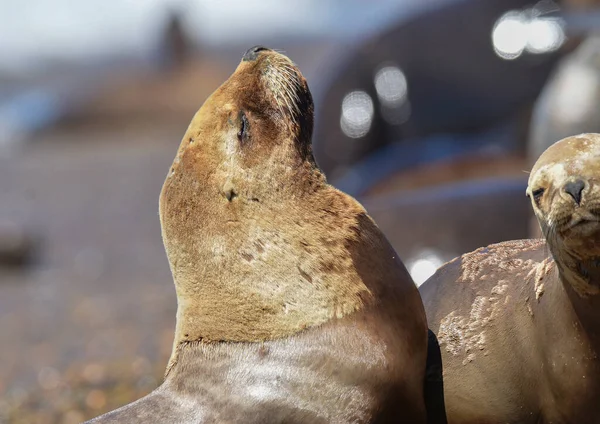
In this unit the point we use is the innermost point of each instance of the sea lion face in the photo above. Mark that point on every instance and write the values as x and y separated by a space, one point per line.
564 188
244 149
249 134
245 153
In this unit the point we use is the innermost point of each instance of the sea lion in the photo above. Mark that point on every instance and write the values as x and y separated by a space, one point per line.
292 305
519 322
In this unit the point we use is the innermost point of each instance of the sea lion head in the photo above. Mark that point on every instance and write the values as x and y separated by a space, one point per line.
260 246
252 131
564 188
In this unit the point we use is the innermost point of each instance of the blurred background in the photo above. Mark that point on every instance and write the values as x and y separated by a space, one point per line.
430 112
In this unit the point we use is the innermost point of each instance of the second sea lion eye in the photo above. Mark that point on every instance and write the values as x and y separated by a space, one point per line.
537 193
243 133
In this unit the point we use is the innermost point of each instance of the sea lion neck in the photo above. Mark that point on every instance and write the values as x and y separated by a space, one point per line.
268 272
275 274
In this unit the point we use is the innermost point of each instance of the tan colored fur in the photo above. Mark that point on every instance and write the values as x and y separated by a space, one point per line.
278 257
570 159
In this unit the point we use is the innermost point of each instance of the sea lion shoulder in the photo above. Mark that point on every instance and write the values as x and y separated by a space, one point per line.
517 321
488 263
509 270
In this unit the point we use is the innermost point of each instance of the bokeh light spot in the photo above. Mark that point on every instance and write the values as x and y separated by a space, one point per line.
357 114
509 35
424 266
391 86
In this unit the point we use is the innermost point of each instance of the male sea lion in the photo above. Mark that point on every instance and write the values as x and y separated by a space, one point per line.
519 322
292 306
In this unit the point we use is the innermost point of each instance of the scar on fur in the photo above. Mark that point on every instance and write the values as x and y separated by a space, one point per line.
540 271
467 335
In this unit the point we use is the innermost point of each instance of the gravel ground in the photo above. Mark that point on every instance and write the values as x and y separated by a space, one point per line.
89 326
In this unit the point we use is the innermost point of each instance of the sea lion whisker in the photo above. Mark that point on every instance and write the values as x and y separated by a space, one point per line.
283 82
282 110
292 78
292 81
288 103
293 89
280 94
293 101
294 95
286 82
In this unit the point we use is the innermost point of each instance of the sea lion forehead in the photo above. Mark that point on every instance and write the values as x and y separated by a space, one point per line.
572 156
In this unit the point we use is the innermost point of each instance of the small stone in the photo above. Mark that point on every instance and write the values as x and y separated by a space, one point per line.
73 417
48 378
95 399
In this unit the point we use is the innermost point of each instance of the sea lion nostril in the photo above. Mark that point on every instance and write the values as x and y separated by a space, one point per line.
574 189
252 53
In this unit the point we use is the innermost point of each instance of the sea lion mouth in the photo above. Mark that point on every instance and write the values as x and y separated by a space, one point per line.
565 218
581 223
590 269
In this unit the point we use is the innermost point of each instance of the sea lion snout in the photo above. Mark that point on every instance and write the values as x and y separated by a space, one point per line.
574 189
253 52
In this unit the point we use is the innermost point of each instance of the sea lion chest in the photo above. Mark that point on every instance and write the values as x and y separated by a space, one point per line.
331 374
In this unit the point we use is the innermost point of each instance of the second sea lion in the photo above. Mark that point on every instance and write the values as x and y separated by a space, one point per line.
519 322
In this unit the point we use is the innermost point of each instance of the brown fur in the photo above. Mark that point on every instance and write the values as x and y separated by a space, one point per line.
518 322
570 159
271 262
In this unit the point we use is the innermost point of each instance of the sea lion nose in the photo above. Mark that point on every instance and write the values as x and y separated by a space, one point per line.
252 53
574 189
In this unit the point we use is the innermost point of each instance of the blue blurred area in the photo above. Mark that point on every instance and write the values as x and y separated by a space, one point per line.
405 154
26 111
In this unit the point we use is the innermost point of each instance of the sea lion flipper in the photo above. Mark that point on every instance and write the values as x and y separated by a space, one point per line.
434 382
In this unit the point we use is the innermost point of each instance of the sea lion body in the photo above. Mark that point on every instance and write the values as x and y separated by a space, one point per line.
335 373
518 321
292 306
